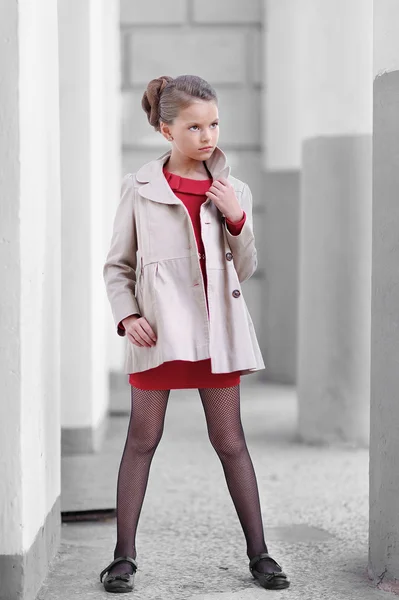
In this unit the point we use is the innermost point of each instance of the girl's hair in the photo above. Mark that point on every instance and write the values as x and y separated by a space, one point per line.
165 97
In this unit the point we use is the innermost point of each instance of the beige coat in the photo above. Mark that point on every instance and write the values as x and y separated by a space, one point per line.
164 283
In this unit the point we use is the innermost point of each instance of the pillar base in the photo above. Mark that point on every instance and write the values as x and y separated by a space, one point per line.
22 575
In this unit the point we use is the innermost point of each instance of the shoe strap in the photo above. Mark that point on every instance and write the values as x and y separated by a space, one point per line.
259 557
118 560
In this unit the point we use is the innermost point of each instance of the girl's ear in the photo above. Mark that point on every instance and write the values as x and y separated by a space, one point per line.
164 130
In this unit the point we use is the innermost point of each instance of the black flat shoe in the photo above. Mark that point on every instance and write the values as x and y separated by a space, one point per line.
120 582
277 580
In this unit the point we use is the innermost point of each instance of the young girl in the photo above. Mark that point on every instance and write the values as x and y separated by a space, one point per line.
181 309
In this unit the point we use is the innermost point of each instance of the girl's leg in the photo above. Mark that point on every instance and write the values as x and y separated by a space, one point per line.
222 412
148 408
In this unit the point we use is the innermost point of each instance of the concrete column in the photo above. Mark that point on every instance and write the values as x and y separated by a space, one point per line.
84 174
281 138
384 440
335 73
30 261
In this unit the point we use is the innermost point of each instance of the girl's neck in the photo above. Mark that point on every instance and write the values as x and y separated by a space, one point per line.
194 170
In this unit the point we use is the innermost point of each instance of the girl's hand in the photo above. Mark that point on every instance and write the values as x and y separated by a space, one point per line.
223 196
139 331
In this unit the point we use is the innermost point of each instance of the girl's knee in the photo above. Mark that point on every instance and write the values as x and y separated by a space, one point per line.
228 445
145 442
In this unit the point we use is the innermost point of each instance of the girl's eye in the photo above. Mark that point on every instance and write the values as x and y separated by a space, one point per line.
197 125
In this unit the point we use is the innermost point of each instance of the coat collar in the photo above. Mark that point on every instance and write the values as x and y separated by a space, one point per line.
158 189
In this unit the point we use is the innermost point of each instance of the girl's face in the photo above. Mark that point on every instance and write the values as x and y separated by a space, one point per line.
195 127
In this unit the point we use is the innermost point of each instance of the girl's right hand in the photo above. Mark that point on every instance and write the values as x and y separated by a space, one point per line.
139 331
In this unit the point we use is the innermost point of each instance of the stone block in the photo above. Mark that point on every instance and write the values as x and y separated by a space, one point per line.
134 12
239 113
136 130
217 56
256 58
227 11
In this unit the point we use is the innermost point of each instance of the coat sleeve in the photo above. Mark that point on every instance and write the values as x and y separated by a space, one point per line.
119 271
243 245
235 227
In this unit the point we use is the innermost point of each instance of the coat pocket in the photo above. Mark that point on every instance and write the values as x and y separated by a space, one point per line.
146 293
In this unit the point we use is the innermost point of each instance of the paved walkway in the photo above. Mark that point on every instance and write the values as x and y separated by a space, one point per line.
314 506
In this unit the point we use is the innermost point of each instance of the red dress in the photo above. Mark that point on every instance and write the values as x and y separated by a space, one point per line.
182 374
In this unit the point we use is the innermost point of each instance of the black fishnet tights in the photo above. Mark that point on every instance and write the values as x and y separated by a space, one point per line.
222 413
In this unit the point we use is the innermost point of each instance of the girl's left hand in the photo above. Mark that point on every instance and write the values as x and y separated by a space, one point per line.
223 196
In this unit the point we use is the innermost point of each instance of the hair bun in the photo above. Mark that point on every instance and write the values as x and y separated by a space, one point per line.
151 97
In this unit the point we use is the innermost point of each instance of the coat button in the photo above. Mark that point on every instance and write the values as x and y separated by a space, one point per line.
236 293
229 256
